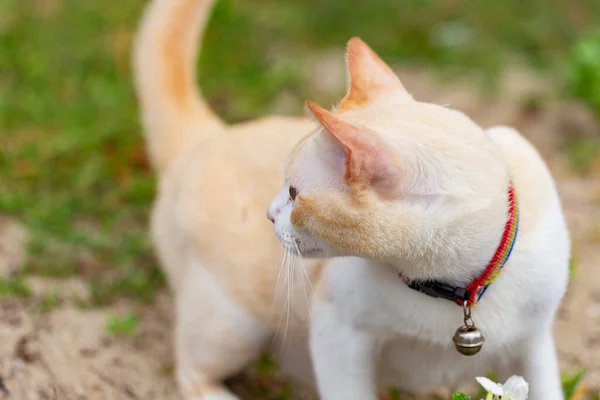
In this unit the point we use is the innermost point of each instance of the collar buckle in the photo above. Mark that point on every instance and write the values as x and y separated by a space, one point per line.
455 294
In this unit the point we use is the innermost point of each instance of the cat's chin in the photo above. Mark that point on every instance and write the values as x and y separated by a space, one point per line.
306 253
300 251
311 253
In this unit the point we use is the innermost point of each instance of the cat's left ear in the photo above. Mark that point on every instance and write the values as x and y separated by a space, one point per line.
369 163
370 78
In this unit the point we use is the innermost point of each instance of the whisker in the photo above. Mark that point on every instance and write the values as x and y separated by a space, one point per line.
304 269
304 279
289 296
279 276
278 291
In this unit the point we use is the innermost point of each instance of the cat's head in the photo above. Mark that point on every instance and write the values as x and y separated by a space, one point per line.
387 177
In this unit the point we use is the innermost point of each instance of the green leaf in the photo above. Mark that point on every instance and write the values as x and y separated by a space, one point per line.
394 393
460 396
571 382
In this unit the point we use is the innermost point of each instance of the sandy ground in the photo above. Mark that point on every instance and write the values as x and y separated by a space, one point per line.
67 354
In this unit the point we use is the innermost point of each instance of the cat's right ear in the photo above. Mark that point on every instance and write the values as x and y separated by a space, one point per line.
369 163
370 78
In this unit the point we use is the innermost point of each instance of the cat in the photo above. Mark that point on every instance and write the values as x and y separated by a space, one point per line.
208 224
387 186
382 191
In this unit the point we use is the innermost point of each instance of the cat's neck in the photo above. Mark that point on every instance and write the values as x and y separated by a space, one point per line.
462 249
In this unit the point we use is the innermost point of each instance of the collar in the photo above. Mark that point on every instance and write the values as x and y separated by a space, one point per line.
470 295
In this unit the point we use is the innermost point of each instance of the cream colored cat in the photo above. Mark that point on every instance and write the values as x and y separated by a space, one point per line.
385 185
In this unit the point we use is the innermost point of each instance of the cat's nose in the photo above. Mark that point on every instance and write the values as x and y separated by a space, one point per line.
273 210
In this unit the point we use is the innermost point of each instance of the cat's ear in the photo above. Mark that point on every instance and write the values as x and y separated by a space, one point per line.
370 78
368 161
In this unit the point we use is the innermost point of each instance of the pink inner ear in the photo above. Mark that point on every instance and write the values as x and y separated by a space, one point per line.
368 162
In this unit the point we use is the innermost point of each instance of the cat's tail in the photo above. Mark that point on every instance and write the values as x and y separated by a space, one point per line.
164 64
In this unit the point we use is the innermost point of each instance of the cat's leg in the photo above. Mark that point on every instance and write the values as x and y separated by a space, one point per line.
343 357
540 367
215 338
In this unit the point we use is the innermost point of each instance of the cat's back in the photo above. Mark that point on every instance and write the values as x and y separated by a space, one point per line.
534 184
542 250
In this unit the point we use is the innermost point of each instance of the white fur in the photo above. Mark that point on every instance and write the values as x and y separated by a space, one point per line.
209 323
291 238
370 330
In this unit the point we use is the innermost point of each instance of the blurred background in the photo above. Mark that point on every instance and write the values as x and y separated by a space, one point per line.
83 305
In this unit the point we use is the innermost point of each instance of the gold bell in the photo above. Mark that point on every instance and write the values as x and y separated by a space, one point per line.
467 339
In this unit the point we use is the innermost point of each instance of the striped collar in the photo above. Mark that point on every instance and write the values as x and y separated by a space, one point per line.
470 295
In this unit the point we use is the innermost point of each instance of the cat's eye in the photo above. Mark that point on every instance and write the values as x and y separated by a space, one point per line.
293 193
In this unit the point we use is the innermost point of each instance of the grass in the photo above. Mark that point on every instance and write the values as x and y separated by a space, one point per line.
73 165
72 161
265 365
394 394
583 73
572 385
47 303
573 267
475 36
582 153
571 382
14 287
460 396
121 325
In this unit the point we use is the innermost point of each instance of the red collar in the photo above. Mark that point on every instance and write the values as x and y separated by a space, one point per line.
470 295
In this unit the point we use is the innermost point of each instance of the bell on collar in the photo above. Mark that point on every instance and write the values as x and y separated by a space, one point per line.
468 340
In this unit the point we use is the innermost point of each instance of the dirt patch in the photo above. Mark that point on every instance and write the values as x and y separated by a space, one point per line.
66 352
578 326
13 243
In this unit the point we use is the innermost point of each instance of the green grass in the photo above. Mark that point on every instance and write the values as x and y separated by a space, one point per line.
573 267
265 365
571 382
460 396
479 37
582 153
121 325
394 394
47 303
14 287
72 164
583 73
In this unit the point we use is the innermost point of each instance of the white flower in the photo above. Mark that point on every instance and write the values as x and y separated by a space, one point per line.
515 388
490 386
